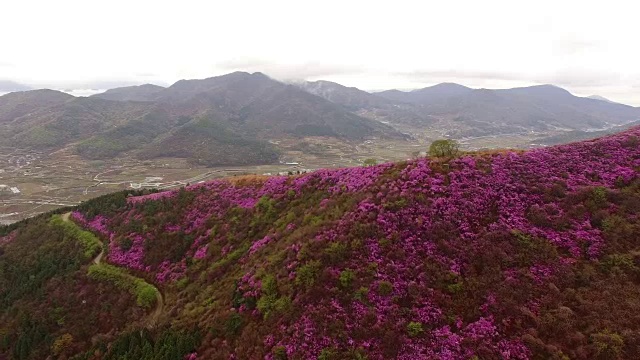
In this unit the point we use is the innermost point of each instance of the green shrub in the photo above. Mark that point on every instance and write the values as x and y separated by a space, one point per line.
327 354
61 344
621 261
598 196
280 353
370 162
346 278
269 301
361 294
234 324
307 274
269 285
385 288
336 251
414 329
444 148
608 345
266 305
455 288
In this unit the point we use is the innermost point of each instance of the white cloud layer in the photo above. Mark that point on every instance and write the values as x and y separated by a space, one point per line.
585 46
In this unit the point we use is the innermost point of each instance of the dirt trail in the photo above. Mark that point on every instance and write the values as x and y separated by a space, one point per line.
155 315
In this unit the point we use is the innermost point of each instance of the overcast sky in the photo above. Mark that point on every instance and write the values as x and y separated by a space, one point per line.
588 47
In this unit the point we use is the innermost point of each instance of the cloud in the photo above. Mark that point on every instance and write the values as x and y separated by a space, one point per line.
147 75
578 78
439 75
281 71
574 46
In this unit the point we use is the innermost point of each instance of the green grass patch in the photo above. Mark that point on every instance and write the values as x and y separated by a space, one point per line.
145 293
92 245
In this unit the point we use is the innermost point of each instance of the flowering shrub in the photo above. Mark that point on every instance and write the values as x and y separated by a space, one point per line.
448 259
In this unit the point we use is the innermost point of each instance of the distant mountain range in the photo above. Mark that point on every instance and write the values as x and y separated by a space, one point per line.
234 118
459 111
222 120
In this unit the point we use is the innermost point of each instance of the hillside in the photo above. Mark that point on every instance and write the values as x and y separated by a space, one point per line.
76 119
503 255
17 104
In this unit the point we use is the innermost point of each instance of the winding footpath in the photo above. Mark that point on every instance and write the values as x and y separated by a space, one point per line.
155 315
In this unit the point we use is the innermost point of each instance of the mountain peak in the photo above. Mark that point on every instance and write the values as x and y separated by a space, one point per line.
39 94
601 98
542 90
144 92
447 86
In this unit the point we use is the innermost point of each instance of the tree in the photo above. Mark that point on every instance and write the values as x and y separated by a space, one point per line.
444 148
370 162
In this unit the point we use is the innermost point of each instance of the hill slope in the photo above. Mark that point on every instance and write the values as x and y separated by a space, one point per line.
530 255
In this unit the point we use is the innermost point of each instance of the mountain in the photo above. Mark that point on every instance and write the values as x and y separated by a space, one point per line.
146 92
368 105
257 104
17 104
64 119
502 255
462 111
439 92
11 86
350 97
149 121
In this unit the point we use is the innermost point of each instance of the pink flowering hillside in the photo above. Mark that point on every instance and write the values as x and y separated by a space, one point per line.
532 255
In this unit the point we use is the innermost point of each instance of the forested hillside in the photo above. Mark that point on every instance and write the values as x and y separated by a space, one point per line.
502 255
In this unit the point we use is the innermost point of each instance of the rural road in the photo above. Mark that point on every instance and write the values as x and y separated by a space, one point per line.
155 315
